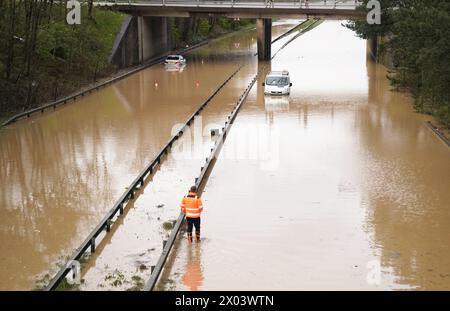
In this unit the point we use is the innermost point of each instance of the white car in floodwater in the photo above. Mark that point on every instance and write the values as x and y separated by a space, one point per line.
175 60
277 83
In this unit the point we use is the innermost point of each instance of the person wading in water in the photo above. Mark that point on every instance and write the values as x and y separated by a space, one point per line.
192 206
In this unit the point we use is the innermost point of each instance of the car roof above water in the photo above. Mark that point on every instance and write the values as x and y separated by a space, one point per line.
278 73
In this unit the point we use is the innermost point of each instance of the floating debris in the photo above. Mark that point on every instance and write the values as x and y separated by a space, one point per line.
142 267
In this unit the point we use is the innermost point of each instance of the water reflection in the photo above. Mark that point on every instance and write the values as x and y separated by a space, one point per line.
276 104
37 208
407 174
175 68
193 275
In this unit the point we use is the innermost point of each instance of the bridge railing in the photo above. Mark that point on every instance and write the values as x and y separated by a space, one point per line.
316 4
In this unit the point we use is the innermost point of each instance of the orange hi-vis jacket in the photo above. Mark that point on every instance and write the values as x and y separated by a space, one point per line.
192 205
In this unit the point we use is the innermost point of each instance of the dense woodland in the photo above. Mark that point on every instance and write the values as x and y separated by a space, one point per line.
192 30
43 58
418 40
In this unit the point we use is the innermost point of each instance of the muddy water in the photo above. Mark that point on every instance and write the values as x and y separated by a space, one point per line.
124 262
60 172
338 186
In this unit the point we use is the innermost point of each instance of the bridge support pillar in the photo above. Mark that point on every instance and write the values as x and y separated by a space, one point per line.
153 37
373 51
141 38
264 33
372 48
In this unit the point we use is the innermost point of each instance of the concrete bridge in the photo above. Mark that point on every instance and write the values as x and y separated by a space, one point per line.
327 9
152 26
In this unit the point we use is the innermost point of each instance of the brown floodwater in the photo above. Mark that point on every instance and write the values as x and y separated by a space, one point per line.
339 186
60 172
125 260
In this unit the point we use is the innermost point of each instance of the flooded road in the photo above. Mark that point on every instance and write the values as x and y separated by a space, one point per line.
124 263
339 186
61 172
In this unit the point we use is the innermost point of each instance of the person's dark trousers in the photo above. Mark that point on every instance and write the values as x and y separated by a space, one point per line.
193 223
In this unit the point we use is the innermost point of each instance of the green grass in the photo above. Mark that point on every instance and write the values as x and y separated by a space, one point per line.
138 283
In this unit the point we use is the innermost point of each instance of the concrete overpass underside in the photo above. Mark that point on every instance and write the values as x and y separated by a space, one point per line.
239 12
150 13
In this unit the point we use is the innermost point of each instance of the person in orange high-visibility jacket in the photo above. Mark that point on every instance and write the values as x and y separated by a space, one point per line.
192 206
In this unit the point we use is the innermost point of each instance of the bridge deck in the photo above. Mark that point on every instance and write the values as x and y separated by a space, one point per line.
235 8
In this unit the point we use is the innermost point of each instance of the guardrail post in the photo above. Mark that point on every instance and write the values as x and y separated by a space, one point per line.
164 243
108 225
93 245
121 209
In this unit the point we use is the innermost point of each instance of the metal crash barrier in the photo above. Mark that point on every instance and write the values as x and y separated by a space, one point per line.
96 87
129 194
200 183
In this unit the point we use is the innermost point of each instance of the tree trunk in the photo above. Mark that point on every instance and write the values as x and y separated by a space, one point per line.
11 30
90 6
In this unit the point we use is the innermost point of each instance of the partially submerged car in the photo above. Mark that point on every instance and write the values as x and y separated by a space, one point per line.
277 83
175 60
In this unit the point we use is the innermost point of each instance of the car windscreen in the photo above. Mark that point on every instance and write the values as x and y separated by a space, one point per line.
172 58
277 81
